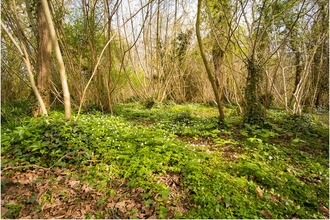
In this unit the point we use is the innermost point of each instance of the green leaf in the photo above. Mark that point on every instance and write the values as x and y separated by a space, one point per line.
227 202
32 199
165 193
148 202
244 133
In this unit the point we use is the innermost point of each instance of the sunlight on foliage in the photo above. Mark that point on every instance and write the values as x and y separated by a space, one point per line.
244 171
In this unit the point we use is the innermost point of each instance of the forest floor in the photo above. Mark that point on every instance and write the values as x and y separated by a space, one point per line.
171 161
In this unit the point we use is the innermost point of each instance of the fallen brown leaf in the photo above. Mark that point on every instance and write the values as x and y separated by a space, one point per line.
260 193
121 206
266 214
153 217
324 210
274 198
130 204
3 210
74 183
111 205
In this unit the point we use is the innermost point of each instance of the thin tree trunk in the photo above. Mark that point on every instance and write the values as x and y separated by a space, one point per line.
107 74
66 93
25 56
44 58
285 90
299 70
206 65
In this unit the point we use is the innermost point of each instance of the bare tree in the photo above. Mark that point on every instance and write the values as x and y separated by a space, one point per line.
255 49
65 88
320 65
44 57
206 64
23 52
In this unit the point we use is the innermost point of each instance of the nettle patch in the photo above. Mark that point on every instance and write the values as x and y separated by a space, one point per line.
170 161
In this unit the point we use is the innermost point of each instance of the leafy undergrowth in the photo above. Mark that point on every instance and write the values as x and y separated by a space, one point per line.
171 161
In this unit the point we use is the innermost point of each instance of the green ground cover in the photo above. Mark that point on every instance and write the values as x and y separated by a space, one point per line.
171 161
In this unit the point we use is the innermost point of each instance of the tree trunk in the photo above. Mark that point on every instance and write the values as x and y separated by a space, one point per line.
44 59
66 94
320 76
208 70
217 56
23 52
254 113
299 70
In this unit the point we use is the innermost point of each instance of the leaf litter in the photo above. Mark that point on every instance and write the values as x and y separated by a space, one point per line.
57 194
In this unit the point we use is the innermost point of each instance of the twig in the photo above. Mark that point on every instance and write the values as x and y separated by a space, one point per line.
65 156
26 166
37 166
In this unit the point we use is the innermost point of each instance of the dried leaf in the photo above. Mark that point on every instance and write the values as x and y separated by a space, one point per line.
130 204
57 171
3 210
69 211
23 181
274 198
153 217
121 206
324 210
74 183
62 172
260 193
86 188
111 205
266 214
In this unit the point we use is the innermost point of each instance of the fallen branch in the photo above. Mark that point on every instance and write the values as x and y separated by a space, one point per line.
26 166
37 166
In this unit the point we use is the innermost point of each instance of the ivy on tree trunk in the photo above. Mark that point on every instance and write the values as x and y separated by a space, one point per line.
254 111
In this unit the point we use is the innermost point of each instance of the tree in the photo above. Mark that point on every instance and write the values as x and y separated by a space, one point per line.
65 88
306 40
320 65
24 54
44 58
206 64
256 50
220 16
252 51
107 78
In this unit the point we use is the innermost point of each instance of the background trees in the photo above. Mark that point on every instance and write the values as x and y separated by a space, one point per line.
261 53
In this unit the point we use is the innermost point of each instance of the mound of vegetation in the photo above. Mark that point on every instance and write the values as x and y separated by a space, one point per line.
171 161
